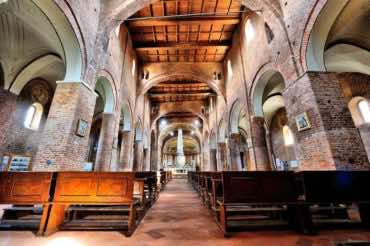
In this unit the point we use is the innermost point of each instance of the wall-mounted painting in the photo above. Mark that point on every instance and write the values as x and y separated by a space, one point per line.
303 122
82 128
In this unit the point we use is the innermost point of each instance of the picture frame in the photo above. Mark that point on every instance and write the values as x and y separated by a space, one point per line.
20 163
303 122
82 127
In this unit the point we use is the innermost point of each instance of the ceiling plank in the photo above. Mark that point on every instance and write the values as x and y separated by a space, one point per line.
156 21
181 46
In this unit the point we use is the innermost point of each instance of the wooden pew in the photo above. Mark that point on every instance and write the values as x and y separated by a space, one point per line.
25 190
93 198
216 191
255 199
326 196
145 187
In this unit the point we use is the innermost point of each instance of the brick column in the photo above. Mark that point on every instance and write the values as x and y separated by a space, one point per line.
332 142
261 154
8 104
234 145
105 146
59 146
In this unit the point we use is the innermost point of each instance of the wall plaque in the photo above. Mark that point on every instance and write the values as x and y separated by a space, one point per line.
19 163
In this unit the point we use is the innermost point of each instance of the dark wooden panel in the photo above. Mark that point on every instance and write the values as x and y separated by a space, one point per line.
335 186
259 187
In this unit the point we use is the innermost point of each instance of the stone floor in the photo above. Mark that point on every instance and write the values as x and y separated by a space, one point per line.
178 218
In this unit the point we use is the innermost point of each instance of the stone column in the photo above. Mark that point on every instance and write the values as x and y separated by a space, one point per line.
332 141
8 104
213 160
261 154
234 145
138 160
60 148
105 146
153 158
222 156
124 163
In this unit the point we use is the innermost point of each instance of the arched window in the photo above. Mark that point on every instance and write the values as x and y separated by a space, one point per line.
288 136
133 67
249 31
229 69
33 116
364 108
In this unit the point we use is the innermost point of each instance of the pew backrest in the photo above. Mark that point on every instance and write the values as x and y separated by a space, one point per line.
25 187
335 186
94 187
259 187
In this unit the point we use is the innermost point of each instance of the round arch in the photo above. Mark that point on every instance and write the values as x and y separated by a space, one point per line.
235 112
222 131
104 88
38 68
70 36
127 116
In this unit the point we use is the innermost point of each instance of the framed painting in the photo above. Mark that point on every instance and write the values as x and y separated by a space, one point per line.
82 127
303 122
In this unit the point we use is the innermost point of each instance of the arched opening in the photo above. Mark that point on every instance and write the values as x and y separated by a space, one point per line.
124 138
30 113
339 43
364 109
213 151
269 105
100 139
153 151
237 139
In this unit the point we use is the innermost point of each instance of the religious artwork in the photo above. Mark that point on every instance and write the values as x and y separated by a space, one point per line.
303 122
4 161
82 128
20 163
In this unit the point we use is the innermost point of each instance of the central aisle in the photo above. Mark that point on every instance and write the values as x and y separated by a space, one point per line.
178 218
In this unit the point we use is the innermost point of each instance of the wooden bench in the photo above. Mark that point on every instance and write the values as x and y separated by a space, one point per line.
145 188
326 196
93 200
29 195
254 199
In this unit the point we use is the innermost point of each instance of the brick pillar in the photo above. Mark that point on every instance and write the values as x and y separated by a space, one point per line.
8 104
59 146
234 145
222 157
105 146
261 154
332 142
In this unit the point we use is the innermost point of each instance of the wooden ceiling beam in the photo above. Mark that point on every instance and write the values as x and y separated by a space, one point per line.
179 95
201 20
181 46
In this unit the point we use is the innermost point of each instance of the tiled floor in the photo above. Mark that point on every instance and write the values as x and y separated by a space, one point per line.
178 218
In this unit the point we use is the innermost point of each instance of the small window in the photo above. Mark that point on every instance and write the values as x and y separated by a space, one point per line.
249 31
288 136
33 116
133 67
229 69
269 34
364 108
